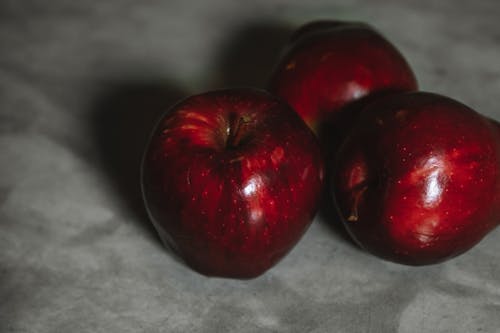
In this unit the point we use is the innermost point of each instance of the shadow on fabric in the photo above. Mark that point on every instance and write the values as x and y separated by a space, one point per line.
124 115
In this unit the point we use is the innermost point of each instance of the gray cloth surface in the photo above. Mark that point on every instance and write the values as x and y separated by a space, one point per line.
81 82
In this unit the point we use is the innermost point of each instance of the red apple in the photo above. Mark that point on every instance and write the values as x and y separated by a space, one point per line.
418 179
231 180
330 64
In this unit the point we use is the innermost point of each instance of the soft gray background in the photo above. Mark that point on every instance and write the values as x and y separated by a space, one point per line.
81 81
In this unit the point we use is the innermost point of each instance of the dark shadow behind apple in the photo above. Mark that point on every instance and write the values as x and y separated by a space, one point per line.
249 53
124 114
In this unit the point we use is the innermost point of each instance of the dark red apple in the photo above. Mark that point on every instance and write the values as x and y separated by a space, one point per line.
418 179
231 180
330 64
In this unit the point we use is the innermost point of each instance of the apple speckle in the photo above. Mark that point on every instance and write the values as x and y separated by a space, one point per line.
277 155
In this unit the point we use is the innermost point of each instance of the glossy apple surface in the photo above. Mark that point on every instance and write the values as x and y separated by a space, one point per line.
330 64
418 179
231 180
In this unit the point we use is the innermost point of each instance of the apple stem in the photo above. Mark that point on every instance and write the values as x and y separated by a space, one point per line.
358 192
236 131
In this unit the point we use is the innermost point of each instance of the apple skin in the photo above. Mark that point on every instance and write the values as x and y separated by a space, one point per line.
418 179
330 64
231 180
